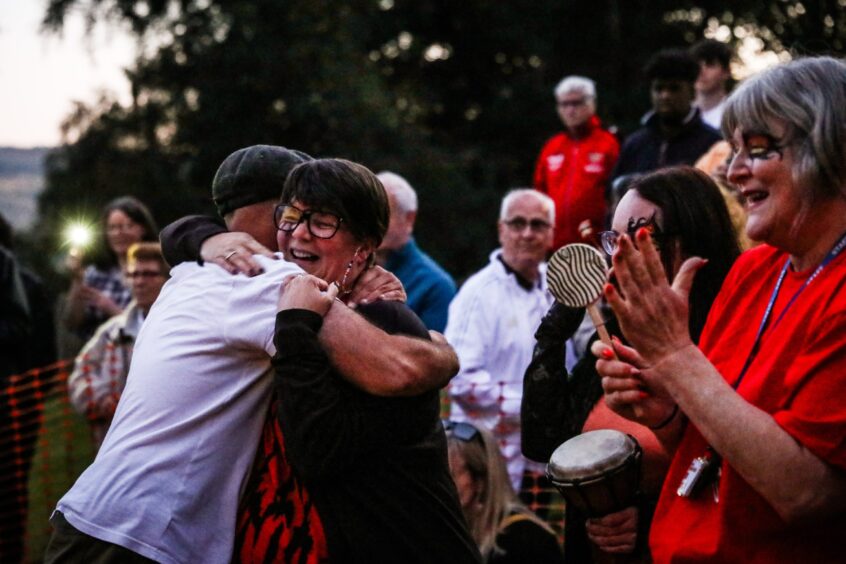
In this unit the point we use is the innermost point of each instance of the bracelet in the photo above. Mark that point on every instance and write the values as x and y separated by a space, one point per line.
666 421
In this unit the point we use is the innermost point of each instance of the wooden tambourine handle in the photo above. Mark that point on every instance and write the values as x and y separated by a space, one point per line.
599 324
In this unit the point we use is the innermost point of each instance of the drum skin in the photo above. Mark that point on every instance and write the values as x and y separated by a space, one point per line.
597 472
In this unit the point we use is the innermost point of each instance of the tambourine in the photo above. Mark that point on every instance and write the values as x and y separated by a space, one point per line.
576 275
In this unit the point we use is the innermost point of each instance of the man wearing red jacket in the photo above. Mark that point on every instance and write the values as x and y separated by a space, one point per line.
574 166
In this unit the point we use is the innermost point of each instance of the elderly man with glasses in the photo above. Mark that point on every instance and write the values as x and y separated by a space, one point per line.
575 165
492 322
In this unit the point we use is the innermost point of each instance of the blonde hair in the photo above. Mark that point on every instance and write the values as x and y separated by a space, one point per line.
495 500
147 251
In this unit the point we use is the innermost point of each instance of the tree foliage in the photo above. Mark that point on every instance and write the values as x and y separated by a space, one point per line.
456 96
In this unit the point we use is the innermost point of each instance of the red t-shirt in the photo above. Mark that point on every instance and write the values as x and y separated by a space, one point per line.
574 173
798 376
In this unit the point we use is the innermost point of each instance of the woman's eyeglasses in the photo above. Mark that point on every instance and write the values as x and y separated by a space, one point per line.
460 430
322 225
610 239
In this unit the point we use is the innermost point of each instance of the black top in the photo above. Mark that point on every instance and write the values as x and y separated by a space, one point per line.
15 317
555 407
647 149
376 467
181 240
525 542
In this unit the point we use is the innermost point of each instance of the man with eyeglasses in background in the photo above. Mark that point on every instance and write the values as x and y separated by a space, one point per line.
99 373
492 323
575 165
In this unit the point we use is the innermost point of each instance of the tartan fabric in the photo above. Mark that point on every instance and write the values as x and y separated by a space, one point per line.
111 283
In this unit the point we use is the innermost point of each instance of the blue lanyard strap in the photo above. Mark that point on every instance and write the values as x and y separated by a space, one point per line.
832 254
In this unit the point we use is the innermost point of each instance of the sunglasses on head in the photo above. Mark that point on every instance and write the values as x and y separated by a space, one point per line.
460 430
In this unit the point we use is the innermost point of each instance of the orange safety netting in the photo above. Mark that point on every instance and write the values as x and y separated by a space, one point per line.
45 445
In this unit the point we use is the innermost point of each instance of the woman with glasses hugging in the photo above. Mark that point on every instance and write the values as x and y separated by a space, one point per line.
684 213
344 475
505 530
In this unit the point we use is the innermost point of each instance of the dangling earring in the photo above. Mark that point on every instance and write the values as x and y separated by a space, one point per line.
343 285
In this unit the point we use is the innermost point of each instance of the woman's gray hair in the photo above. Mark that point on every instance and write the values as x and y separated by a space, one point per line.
808 96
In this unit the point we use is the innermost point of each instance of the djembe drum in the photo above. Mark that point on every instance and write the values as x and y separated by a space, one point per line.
597 472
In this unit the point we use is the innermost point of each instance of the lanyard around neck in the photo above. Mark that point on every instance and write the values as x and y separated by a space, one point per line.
832 254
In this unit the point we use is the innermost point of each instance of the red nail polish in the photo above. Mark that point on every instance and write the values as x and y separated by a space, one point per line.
643 395
608 288
642 232
607 354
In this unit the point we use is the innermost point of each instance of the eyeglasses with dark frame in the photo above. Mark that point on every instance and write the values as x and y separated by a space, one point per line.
572 103
608 239
518 224
460 430
320 224
143 274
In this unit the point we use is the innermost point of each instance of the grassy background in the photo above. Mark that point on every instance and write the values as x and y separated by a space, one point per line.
63 451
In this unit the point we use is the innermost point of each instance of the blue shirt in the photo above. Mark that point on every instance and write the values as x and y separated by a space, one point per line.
430 289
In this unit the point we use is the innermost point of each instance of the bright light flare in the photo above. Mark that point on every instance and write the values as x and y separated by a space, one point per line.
78 235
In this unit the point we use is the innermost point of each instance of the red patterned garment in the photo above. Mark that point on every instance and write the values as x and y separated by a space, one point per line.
277 520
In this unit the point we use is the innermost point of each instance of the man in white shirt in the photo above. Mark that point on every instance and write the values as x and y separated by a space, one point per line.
166 482
492 324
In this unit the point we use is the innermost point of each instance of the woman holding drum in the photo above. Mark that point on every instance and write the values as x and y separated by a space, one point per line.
677 205
759 466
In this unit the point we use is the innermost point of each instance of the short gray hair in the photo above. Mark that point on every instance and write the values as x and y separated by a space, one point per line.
576 84
400 189
512 195
808 96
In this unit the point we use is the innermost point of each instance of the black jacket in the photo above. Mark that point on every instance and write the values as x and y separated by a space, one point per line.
376 467
647 149
555 407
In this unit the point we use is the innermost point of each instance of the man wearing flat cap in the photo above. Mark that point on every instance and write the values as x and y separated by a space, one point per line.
166 482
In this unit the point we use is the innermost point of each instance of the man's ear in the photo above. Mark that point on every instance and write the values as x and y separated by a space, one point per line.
410 218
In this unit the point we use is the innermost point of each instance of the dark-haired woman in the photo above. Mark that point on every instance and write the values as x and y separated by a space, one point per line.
99 291
685 214
343 474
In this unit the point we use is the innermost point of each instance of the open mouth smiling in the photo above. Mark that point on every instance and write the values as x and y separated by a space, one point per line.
751 197
302 255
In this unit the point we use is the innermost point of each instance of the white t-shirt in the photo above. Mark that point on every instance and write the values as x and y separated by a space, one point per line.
714 116
166 481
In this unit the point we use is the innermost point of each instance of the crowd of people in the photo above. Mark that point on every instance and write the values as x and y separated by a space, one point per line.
266 386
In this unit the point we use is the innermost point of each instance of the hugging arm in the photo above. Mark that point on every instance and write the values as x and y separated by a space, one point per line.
182 240
358 350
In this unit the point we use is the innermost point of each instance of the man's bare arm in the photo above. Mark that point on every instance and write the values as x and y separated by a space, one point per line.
383 364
